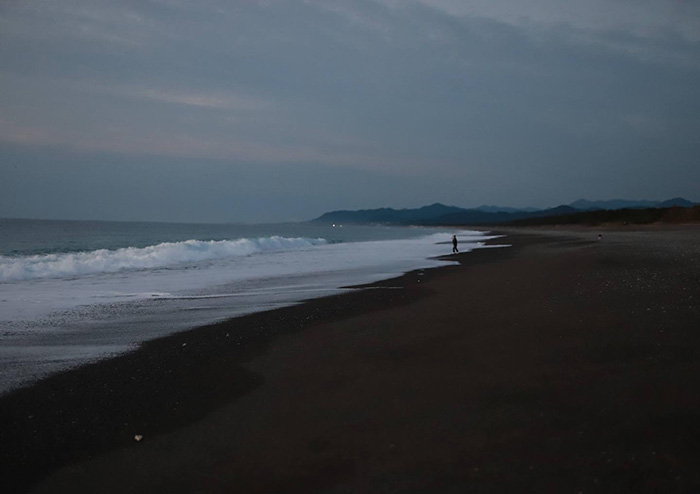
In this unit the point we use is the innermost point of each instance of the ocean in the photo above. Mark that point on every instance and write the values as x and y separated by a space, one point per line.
72 292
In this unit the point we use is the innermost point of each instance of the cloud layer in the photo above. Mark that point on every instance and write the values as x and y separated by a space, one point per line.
531 103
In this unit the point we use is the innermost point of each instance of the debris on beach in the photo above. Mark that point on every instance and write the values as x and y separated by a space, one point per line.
138 437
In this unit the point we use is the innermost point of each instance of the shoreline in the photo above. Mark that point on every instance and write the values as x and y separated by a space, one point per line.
73 432
558 364
55 324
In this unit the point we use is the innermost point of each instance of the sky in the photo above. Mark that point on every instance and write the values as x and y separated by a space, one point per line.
274 110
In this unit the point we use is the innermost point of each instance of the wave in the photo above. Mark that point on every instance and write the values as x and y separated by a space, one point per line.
133 258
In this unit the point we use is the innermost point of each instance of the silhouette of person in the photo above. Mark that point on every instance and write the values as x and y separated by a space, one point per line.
454 244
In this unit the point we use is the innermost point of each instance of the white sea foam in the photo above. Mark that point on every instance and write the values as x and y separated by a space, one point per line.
54 317
132 258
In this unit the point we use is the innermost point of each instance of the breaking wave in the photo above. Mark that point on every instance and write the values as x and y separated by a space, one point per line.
133 258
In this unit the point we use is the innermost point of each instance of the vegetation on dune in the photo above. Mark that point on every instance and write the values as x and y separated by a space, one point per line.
672 215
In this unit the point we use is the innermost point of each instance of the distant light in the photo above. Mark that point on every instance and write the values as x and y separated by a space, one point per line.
333 225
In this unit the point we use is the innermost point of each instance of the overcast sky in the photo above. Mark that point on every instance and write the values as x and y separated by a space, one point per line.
224 110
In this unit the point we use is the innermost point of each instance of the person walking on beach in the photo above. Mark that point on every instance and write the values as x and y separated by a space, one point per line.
454 244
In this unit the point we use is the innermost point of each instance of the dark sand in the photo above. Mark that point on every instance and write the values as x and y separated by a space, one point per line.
562 364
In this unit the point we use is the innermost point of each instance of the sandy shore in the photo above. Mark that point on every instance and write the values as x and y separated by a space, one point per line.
562 364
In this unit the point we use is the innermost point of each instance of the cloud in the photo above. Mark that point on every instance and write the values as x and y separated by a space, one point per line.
98 21
644 18
658 31
219 101
471 93
215 100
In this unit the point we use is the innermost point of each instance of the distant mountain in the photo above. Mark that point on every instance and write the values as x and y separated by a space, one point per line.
475 217
501 209
432 211
437 214
440 214
389 215
677 201
613 204
585 205
627 216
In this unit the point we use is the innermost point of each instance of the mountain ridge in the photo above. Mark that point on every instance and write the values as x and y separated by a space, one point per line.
441 214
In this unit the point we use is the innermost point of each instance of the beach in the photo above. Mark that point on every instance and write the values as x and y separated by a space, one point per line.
563 363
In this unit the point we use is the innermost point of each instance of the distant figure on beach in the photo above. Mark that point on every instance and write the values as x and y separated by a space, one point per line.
600 237
454 244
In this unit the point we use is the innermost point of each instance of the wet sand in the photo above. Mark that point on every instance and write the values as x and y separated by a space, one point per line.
561 364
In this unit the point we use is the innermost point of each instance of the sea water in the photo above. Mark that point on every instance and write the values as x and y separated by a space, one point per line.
75 291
